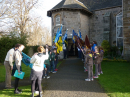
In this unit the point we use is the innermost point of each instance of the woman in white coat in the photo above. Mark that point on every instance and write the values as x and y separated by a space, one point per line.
37 70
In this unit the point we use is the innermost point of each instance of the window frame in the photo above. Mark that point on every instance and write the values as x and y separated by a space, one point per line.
57 17
119 15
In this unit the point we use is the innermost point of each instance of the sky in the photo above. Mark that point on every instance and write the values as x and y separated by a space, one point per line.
41 11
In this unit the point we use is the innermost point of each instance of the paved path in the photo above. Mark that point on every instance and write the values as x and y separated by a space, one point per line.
69 81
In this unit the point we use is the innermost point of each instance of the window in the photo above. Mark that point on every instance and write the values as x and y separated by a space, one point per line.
119 30
57 19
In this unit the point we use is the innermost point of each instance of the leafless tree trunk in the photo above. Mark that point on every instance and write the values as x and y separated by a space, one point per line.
21 12
38 34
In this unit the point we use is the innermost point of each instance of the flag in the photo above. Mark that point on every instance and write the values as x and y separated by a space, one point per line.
80 36
87 43
65 37
58 35
78 42
59 45
82 42
74 34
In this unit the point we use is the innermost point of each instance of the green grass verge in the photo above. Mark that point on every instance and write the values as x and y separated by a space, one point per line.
116 78
26 89
10 92
25 69
59 63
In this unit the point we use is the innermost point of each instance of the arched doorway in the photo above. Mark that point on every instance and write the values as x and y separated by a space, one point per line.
72 49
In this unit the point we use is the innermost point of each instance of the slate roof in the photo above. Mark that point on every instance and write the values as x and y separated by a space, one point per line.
91 5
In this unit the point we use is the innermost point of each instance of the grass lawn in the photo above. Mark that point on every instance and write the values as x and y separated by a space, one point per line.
26 89
25 69
116 78
10 92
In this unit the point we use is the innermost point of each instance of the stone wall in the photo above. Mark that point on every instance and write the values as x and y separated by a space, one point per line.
126 30
84 20
103 25
71 21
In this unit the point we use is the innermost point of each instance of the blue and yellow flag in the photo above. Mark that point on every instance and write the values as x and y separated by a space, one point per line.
80 35
74 34
59 45
65 37
59 33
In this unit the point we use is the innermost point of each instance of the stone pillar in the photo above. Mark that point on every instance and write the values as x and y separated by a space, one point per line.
126 30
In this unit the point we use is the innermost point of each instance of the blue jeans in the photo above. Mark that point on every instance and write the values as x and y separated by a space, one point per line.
52 66
55 62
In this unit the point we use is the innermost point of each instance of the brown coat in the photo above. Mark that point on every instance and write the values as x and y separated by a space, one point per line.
89 59
101 55
97 58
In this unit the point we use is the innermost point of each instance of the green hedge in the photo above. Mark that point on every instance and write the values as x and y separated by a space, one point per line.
111 52
8 42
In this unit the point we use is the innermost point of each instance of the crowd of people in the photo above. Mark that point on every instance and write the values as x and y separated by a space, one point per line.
44 61
92 56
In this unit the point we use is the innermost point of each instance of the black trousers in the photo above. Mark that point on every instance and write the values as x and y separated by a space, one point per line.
65 53
16 83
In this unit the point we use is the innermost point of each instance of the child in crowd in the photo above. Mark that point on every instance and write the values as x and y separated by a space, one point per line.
89 62
52 58
47 63
101 58
85 65
56 60
82 53
97 61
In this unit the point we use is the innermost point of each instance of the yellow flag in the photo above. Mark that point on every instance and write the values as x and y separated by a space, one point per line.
90 55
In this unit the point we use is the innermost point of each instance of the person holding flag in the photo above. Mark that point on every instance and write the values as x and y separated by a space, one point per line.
64 44
77 43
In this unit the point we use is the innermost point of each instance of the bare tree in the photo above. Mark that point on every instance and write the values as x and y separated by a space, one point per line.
39 35
21 12
5 8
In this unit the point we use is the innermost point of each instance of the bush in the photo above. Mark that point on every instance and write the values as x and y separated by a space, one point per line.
113 51
106 46
8 42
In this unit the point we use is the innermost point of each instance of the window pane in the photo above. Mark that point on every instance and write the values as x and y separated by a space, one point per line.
119 42
119 32
58 19
119 21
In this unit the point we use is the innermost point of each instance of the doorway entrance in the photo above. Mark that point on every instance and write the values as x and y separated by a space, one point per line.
72 49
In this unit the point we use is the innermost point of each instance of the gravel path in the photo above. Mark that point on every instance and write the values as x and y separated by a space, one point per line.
69 81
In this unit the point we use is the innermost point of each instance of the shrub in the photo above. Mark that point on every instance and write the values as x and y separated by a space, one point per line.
106 46
8 42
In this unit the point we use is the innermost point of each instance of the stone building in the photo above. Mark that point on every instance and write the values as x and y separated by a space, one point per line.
99 19
126 28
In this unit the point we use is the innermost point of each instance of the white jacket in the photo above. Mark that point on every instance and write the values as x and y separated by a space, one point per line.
38 62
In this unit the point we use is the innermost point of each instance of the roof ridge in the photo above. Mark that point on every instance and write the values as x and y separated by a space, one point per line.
69 2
